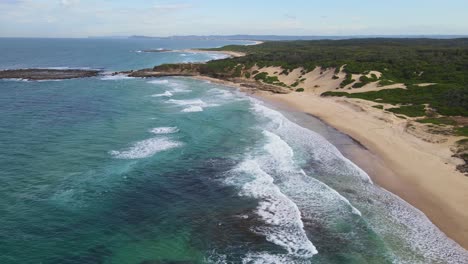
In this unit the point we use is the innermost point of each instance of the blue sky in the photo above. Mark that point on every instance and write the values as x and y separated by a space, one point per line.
82 18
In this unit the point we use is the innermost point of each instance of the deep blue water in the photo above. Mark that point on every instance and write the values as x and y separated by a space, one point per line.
176 170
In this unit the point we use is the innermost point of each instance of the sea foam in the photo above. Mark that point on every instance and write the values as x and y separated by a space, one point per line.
116 77
146 148
164 130
159 81
283 224
391 216
192 109
165 94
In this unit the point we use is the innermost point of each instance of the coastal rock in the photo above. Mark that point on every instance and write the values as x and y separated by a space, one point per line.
47 74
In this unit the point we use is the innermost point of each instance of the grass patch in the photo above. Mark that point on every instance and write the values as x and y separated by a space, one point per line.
438 121
409 110
462 131
348 80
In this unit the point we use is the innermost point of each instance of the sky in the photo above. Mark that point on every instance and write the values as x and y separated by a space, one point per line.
83 18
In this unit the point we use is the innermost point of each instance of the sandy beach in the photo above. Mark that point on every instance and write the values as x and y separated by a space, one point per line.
403 162
420 172
229 53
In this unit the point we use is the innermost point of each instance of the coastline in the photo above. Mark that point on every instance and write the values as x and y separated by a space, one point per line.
421 173
234 54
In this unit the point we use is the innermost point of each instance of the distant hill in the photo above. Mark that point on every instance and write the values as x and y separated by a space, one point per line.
279 37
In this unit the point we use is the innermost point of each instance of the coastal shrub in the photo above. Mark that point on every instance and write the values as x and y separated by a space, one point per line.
255 72
462 131
337 94
348 80
447 100
358 85
409 110
300 90
408 61
295 84
385 82
335 77
247 75
261 76
438 121
237 71
378 106
285 72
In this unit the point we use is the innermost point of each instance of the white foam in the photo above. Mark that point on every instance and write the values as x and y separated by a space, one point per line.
419 241
146 148
15 80
51 80
165 94
192 109
116 77
159 81
193 102
287 196
164 130
310 142
296 181
267 258
282 217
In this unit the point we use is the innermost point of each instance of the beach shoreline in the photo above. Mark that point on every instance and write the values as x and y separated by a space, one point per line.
419 172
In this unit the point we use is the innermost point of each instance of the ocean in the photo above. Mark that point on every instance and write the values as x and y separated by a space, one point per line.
113 169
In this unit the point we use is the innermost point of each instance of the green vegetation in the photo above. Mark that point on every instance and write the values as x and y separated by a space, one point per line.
400 60
295 84
446 99
300 90
385 82
378 106
409 110
263 76
358 85
408 61
335 77
247 75
348 80
438 121
462 131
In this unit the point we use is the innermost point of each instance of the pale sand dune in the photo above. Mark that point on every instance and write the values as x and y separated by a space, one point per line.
375 87
425 174
425 84
321 80
229 53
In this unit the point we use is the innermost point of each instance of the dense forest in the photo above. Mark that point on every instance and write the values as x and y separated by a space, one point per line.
408 61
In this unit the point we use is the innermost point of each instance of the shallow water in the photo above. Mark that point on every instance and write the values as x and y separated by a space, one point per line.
175 170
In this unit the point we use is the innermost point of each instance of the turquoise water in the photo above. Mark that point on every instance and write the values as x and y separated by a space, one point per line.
176 170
